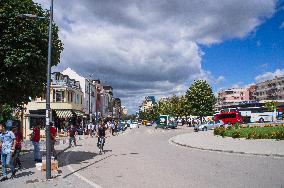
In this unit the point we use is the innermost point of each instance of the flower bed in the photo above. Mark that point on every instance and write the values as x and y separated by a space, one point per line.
253 132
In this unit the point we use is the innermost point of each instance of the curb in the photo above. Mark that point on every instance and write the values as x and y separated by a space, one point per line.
225 151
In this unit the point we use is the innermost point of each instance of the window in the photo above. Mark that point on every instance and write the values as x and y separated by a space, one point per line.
224 116
78 99
54 94
68 96
57 77
63 96
71 96
58 96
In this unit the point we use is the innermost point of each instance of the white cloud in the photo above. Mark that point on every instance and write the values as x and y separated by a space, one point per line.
282 25
150 47
220 79
269 75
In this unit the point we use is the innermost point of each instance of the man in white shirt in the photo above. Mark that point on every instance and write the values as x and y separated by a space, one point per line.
90 129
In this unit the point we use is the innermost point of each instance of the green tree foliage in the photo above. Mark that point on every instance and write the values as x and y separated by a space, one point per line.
6 112
199 101
23 51
173 106
270 105
200 98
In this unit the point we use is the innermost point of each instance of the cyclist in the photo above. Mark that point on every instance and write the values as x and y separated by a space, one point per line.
101 132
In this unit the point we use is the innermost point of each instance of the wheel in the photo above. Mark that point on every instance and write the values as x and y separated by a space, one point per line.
229 123
261 120
204 129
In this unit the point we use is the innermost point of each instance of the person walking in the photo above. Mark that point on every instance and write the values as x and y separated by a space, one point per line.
53 133
7 142
72 132
90 129
35 138
19 139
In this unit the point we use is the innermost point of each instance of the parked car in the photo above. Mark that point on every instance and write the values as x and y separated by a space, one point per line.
149 123
134 125
209 125
122 127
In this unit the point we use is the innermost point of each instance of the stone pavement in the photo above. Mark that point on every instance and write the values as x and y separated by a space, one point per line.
29 176
207 141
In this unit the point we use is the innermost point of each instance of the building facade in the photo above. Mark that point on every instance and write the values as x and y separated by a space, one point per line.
117 108
88 89
233 96
66 102
147 103
124 110
270 89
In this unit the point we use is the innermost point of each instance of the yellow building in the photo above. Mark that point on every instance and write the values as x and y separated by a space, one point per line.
66 99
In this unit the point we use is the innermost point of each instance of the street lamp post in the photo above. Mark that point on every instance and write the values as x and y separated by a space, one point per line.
90 96
47 115
47 123
90 99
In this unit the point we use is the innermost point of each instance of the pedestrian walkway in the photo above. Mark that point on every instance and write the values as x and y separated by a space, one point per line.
29 176
207 141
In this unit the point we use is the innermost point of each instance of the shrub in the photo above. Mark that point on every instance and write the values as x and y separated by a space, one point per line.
229 127
237 125
252 135
219 131
236 134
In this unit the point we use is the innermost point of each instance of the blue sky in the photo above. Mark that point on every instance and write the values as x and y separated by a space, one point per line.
241 60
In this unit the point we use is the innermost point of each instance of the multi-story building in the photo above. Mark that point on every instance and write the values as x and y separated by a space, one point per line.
108 100
147 103
117 108
270 89
66 99
124 110
88 88
233 96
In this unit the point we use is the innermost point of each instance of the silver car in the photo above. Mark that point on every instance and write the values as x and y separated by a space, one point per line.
208 125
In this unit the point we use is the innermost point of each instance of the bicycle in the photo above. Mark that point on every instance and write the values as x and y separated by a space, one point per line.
101 144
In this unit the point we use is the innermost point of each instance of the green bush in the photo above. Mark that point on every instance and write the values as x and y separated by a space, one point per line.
268 132
219 131
237 125
236 134
229 127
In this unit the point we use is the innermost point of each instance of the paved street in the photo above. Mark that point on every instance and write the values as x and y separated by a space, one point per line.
144 157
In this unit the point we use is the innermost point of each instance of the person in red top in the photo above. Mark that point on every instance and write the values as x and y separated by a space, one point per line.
18 147
53 133
35 138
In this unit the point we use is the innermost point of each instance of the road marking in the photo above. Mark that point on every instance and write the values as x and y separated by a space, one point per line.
93 184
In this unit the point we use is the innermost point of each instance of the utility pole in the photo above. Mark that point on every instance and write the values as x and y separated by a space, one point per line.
90 99
47 125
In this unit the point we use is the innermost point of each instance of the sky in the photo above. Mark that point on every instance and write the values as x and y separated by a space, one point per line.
159 47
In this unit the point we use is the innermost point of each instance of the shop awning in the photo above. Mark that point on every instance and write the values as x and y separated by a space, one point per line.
64 113
78 113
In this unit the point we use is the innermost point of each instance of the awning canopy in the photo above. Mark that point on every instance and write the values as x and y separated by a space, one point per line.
64 113
78 113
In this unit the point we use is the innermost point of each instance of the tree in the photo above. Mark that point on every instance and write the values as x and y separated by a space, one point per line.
23 51
200 99
271 106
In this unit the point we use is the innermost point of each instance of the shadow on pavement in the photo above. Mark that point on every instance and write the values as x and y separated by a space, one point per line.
75 157
22 174
87 165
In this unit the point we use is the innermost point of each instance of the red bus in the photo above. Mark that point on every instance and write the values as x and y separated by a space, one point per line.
229 117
